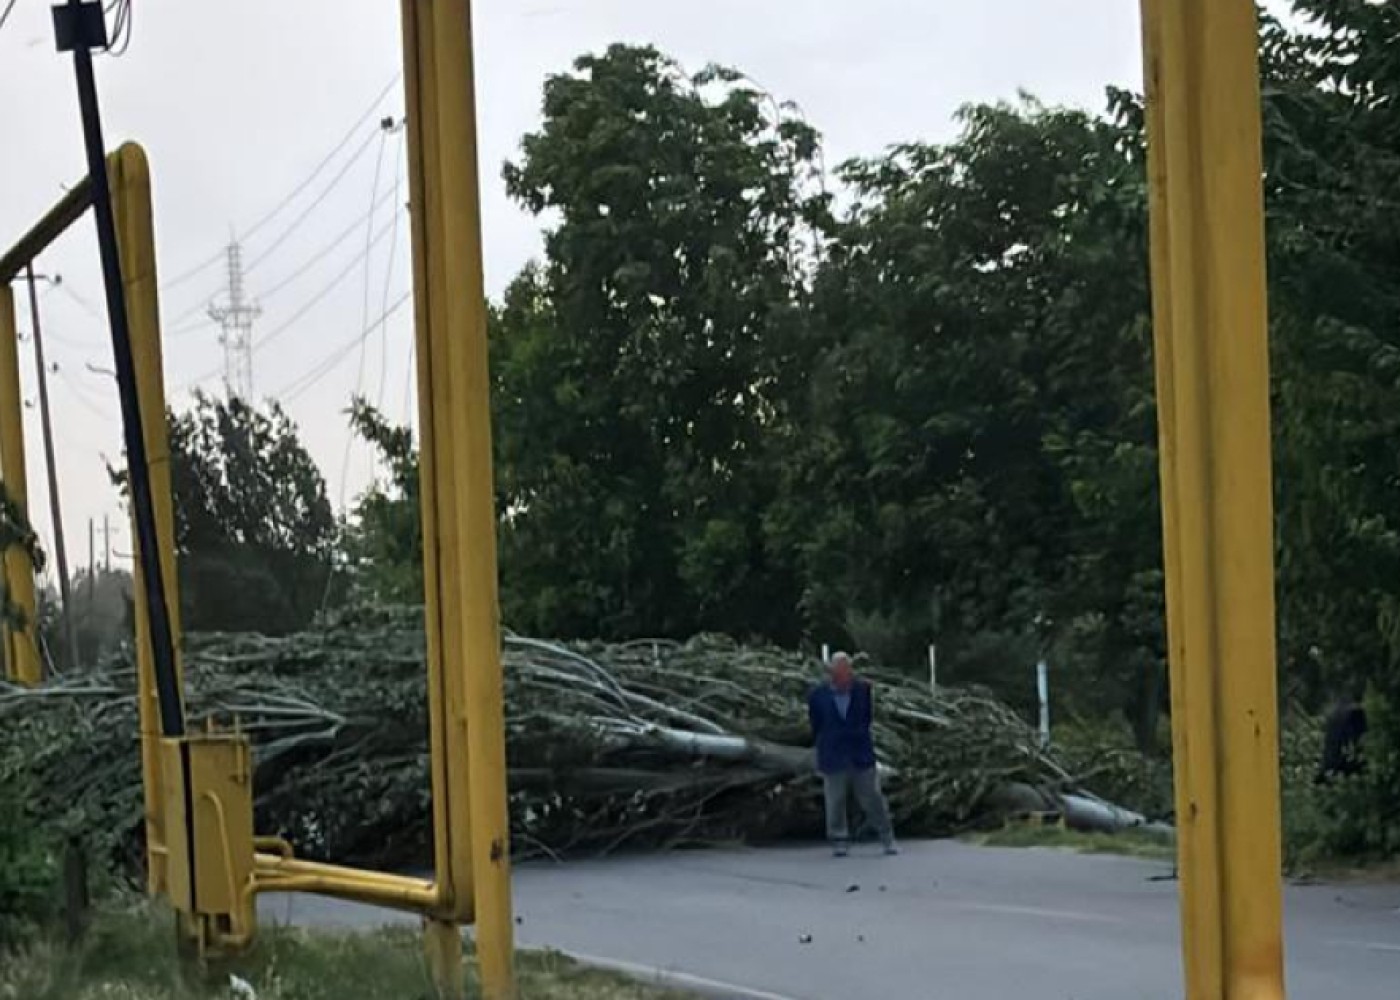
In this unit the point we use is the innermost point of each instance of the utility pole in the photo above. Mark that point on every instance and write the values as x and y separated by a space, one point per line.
236 317
106 545
60 549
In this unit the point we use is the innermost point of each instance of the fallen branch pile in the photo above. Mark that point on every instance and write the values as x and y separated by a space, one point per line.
639 744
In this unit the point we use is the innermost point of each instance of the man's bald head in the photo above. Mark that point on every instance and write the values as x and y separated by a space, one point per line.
842 671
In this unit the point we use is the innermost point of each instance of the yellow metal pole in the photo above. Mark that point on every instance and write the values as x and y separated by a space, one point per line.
1211 331
437 477
131 202
469 419
21 645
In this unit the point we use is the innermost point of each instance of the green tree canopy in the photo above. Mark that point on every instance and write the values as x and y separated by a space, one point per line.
645 371
254 529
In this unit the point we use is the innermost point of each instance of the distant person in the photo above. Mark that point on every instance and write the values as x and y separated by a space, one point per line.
1341 740
841 712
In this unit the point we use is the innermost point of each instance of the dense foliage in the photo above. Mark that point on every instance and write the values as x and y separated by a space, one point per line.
253 526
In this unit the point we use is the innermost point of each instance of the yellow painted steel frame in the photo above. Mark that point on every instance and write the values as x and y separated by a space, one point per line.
1209 303
471 880
130 180
21 647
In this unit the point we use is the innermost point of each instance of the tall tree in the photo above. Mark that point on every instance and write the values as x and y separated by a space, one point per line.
254 529
985 363
645 372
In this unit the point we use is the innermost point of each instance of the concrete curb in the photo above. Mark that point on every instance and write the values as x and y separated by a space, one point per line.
712 989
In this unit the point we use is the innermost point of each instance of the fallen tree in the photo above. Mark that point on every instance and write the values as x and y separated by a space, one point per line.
639 744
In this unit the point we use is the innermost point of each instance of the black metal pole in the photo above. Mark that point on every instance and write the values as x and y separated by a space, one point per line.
80 27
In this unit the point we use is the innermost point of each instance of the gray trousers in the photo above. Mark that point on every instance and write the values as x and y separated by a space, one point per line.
864 785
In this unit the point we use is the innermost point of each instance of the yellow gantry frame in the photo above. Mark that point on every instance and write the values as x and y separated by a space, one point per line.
1211 331
465 689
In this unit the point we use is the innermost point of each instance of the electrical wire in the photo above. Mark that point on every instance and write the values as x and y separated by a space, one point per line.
364 324
81 394
120 36
328 364
292 195
82 301
329 287
5 14
178 327
315 203
325 251
408 381
325 162
301 311
388 279
199 268
364 306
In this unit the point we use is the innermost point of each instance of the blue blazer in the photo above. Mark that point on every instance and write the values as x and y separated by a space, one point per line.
842 744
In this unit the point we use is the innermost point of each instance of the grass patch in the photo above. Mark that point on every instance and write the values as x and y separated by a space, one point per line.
1129 843
129 954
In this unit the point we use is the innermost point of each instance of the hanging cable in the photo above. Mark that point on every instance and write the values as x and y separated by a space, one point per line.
325 251
325 162
364 324
119 38
306 380
199 268
288 232
301 311
5 14
291 196
388 280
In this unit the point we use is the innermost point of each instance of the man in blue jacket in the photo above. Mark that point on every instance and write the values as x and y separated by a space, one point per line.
841 711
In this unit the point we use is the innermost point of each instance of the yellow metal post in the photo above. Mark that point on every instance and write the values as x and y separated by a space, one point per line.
20 645
438 482
1211 331
442 941
475 683
131 203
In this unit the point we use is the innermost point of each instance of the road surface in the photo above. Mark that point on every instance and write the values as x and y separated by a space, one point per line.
943 921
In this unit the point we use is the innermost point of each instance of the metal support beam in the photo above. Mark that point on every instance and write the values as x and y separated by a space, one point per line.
469 417
438 482
70 208
130 181
1211 331
459 521
21 645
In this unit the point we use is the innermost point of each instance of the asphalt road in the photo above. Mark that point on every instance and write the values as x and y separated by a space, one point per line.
943 921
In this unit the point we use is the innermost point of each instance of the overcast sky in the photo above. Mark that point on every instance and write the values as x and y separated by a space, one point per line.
237 104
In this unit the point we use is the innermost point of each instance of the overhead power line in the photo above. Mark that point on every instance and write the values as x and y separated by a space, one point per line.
316 202
218 256
309 304
326 250
9 9
329 363
326 289
325 162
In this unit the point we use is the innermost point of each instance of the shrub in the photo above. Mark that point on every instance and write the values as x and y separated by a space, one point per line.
27 869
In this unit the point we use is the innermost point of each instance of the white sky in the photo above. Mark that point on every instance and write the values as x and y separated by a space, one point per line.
236 103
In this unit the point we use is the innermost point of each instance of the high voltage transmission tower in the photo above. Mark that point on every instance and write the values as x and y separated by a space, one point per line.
236 316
